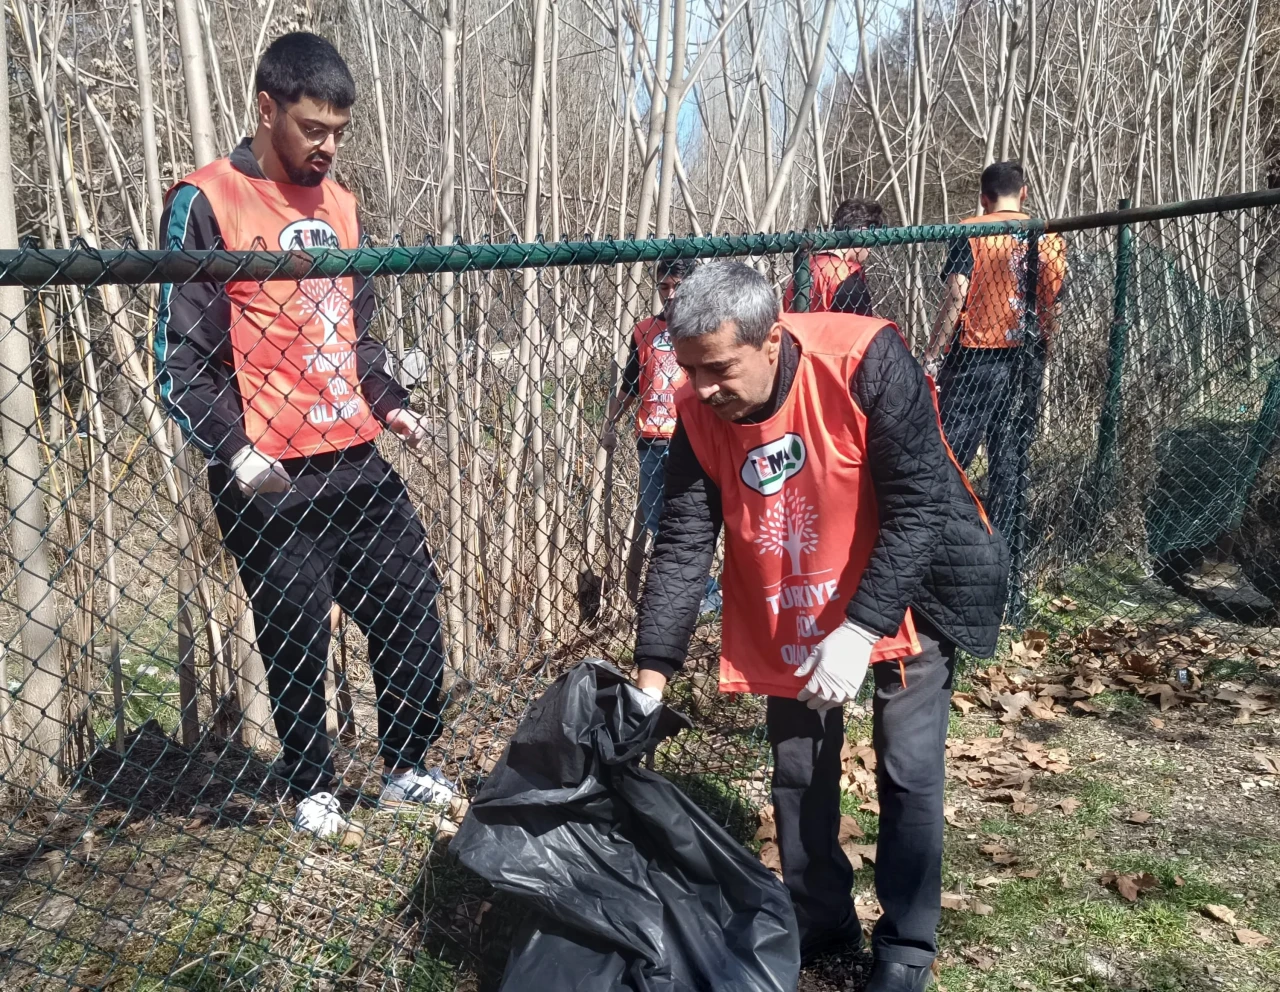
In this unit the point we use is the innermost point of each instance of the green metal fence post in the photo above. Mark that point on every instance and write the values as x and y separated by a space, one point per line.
1026 404
1117 347
801 279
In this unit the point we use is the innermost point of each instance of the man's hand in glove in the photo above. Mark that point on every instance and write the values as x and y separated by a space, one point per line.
256 473
837 666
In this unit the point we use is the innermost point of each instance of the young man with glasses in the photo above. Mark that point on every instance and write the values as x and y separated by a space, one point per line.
285 389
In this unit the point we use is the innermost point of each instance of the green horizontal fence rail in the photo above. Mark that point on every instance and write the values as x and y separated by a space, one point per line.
36 267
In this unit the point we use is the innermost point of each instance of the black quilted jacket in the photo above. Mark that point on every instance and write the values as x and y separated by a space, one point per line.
933 553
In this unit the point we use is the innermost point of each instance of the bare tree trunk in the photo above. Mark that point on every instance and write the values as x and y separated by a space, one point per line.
671 115
203 139
530 356
39 698
452 360
814 76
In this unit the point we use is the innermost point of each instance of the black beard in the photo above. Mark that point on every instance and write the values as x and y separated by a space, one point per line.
302 176
299 175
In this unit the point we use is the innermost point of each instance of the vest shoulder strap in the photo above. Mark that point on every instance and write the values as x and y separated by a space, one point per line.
833 334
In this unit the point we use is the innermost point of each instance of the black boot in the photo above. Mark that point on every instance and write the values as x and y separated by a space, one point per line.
846 939
890 976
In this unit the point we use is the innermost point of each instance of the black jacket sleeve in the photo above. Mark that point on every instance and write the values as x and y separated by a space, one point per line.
909 470
380 387
195 364
630 385
687 533
853 295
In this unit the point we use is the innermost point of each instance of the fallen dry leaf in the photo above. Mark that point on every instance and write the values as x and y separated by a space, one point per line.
871 806
867 852
1251 938
1069 805
771 857
849 827
868 912
1130 886
1031 873
963 701
959 902
1157 723
983 962
1139 816
1024 809
1223 914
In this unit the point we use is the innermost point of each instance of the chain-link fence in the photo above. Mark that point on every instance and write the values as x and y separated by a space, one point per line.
1109 383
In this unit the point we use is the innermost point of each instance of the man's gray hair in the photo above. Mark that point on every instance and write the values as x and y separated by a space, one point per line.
716 292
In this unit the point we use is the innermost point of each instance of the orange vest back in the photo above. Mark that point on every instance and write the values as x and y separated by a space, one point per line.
800 511
826 272
995 306
294 342
660 377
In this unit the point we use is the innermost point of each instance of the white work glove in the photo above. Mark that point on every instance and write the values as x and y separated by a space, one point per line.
408 425
257 473
837 666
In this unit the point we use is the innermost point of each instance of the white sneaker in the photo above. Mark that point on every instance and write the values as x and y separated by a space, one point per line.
321 816
417 788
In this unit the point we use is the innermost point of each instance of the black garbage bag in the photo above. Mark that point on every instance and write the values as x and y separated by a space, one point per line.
631 886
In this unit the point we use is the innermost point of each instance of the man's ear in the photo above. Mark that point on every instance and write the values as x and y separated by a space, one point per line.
773 343
266 110
1022 195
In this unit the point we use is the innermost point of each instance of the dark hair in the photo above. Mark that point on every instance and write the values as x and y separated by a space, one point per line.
1002 179
675 268
857 213
302 64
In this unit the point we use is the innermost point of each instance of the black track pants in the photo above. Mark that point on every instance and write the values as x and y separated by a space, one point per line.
366 550
909 734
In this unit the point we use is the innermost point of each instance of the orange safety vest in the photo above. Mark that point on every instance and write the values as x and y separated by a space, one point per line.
800 512
660 377
826 273
995 305
294 341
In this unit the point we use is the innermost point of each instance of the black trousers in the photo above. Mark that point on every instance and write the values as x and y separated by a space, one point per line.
992 394
366 550
910 718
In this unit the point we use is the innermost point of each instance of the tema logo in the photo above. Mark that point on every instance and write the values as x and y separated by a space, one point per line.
662 342
309 233
770 465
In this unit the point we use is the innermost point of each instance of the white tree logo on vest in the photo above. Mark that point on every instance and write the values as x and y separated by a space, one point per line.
325 300
790 528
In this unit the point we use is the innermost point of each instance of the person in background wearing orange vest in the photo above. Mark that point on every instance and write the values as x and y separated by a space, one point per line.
989 382
285 389
851 541
652 377
838 282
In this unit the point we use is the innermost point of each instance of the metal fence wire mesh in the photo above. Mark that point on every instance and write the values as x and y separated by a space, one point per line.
1110 384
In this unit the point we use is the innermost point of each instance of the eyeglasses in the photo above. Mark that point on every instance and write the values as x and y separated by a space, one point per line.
317 134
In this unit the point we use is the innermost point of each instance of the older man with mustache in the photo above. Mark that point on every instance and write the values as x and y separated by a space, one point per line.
852 541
